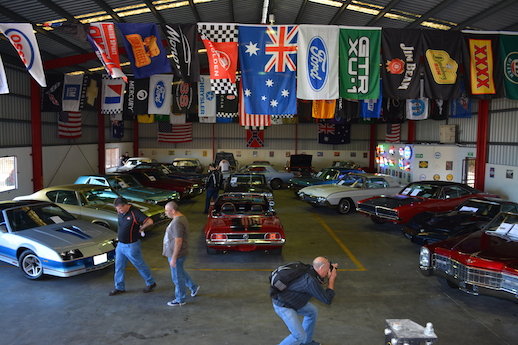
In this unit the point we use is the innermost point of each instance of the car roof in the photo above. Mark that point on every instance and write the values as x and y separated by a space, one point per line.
493 201
75 187
20 203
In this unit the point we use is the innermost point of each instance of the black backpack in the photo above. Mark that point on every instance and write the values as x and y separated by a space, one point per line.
283 275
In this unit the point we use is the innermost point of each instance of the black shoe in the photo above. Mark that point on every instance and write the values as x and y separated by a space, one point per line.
116 292
149 288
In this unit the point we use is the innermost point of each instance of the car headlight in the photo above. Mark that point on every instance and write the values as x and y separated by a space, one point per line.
424 257
149 201
71 254
321 199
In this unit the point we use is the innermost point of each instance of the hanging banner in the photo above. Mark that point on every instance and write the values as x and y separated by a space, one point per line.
160 94
103 39
442 58
268 56
400 58
72 92
509 48
206 100
21 36
418 109
113 95
483 65
220 40
144 49
359 51
136 97
185 99
182 39
317 62
4 88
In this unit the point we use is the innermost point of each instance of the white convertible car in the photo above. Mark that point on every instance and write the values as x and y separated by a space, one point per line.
42 238
345 195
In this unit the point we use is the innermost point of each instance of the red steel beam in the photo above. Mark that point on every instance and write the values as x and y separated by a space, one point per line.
482 138
37 151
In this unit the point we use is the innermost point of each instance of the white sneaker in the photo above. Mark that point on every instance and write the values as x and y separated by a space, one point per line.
175 303
195 292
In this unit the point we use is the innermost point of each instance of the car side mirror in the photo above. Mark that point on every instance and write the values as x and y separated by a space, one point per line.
3 228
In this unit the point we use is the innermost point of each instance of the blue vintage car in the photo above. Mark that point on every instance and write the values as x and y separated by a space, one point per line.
325 176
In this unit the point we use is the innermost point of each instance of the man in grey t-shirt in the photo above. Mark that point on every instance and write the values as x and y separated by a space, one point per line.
176 250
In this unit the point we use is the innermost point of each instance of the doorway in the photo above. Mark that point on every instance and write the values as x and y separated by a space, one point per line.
468 171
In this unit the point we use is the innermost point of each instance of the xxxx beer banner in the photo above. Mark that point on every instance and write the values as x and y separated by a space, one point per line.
103 39
24 41
221 42
137 94
442 56
317 62
160 94
182 39
268 56
482 65
144 49
509 49
400 63
359 62
112 95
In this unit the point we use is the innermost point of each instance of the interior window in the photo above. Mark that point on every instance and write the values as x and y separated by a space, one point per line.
8 174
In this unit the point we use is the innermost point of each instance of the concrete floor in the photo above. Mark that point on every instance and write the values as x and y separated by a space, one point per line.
378 279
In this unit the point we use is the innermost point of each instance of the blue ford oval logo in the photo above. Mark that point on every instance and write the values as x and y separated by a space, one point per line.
318 59
159 94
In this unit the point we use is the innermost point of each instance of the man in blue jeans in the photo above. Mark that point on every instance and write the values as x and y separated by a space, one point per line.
176 249
131 228
294 301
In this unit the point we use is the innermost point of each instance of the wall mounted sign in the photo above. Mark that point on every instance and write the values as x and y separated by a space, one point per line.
437 155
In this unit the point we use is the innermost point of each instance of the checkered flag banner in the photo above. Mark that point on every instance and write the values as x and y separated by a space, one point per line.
220 39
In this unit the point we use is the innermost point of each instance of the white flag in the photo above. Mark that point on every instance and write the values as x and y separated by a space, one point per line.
24 41
317 62
206 99
4 88
72 87
160 94
418 109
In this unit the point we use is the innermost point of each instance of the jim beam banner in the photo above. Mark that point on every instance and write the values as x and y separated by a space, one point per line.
509 49
359 61
442 59
400 59
482 65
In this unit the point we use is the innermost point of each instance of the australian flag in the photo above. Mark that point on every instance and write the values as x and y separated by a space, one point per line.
334 133
268 56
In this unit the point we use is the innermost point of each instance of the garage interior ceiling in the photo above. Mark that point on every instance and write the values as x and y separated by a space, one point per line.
485 15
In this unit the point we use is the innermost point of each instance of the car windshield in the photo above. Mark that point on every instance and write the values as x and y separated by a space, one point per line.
155 175
327 174
350 180
241 204
479 208
98 196
505 224
185 163
121 181
28 217
421 189
251 180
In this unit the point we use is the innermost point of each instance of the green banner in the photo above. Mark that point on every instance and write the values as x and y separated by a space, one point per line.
360 63
509 49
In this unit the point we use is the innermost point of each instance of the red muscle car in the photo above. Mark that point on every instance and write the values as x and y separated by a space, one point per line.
243 222
481 263
417 197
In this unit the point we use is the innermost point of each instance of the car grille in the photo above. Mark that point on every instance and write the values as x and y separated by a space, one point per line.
244 237
159 217
380 211
476 276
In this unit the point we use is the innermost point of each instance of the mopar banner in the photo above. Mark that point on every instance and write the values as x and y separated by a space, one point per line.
482 65
144 49
509 48
359 62
182 39
442 56
400 59
317 61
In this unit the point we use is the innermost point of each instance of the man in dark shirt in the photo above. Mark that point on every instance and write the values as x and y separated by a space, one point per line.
212 185
294 301
131 226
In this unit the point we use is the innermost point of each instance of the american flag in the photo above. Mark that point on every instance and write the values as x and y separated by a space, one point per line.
168 133
393 134
69 124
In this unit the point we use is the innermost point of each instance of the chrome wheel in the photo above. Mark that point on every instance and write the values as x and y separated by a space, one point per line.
344 206
30 265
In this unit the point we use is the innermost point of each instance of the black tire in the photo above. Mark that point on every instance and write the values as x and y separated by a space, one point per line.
30 265
212 251
345 206
276 251
446 283
377 221
276 183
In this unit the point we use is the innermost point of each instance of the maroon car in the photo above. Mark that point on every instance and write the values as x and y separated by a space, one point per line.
157 179
417 197
243 222
484 262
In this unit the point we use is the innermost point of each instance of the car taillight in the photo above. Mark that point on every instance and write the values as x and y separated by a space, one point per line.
218 237
272 236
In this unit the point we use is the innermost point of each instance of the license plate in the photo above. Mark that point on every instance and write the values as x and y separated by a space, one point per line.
100 259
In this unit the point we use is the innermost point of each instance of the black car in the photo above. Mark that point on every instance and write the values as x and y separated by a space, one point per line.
174 172
470 216
248 183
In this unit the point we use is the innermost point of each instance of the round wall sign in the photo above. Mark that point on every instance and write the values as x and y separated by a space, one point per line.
422 177
449 177
437 155
436 177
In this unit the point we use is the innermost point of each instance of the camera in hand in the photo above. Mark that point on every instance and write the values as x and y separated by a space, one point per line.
331 267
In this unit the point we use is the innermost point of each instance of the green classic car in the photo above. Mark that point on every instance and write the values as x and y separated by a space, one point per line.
92 203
